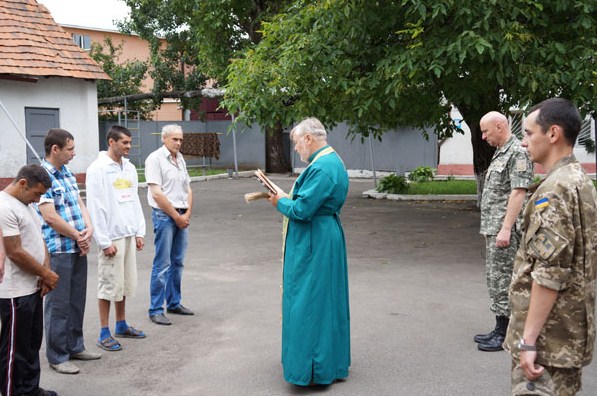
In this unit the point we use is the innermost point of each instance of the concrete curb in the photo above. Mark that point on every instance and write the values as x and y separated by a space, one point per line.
400 197
244 174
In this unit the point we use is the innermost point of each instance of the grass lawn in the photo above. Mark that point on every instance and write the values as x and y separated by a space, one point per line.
449 187
443 187
192 172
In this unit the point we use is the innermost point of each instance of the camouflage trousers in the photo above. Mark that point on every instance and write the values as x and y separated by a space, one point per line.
498 271
555 381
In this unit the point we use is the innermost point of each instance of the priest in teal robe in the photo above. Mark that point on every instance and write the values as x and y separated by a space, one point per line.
315 308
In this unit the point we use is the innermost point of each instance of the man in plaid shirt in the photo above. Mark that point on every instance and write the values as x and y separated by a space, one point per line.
67 231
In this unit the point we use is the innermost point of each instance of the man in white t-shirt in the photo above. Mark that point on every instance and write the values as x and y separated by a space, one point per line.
171 199
27 278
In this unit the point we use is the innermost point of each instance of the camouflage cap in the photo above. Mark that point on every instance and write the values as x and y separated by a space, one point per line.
542 386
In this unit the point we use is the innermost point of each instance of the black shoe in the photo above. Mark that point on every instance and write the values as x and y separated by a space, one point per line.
501 325
481 338
160 319
180 310
493 345
43 392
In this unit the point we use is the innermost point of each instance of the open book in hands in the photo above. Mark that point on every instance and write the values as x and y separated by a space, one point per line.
267 183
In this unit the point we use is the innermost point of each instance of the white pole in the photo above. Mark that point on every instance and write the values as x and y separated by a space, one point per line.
234 147
19 131
372 160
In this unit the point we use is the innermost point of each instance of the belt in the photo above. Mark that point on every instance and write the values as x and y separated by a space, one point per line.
335 214
181 210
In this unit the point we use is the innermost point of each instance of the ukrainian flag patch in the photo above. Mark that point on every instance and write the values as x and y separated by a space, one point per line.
542 203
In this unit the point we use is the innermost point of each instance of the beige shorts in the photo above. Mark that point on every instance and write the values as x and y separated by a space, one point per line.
117 275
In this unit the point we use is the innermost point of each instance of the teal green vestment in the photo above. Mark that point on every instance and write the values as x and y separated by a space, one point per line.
315 309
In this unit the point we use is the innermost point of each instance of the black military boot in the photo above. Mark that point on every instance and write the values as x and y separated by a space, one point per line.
494 344
481 338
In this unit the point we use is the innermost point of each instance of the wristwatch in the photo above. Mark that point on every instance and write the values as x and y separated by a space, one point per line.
525 347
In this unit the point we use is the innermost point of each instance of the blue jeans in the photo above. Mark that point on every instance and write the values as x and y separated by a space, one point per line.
170 247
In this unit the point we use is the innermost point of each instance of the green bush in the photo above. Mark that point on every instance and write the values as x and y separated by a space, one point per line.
393 184
421 174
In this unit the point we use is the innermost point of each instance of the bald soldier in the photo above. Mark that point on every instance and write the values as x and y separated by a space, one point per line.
508 177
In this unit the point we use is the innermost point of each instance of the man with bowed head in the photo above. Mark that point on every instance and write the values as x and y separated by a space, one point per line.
315 306
2 255
552 328
508 177
27 278
171 200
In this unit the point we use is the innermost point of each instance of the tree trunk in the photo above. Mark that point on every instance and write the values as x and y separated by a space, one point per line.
482 151
482 155
275 158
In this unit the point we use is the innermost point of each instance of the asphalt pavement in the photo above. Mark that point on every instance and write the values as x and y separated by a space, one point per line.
417 295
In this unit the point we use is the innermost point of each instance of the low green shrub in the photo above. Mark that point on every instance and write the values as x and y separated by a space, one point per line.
393 184
421 174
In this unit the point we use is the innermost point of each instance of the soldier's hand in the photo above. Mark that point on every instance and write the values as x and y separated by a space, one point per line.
502 239
527 363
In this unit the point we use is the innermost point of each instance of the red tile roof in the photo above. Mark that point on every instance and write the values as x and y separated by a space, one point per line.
33 45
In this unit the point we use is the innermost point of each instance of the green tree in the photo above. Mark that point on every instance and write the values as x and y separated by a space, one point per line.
201 38
381 64
164 24
127 77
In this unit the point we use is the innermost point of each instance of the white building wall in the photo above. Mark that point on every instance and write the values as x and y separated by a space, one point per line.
76 100
581 153
458 149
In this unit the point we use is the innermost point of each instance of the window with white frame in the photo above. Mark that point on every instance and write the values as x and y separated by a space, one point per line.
82 40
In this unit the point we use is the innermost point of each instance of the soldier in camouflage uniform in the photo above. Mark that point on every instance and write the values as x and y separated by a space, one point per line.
552 328
508 177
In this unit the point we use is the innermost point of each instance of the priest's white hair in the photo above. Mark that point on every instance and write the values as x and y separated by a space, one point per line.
309 126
